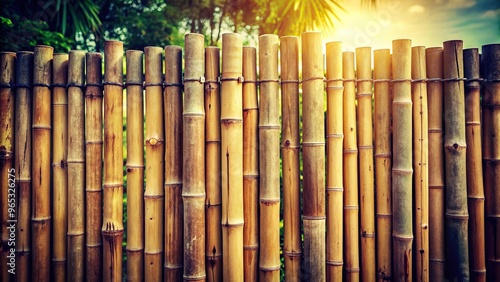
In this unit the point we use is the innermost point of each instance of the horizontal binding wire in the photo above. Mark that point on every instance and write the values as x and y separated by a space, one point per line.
72 84
434 79
93 85
153 84
201 79
454 79
6 85
172 84
112 83
377 80
269 80
41 84
491 80
403 80
364 80
251 81
61 85
334 80
239 79
290 81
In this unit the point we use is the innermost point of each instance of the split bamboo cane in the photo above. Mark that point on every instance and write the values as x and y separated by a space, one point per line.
193 152
290 151
313 148
475 189
334 177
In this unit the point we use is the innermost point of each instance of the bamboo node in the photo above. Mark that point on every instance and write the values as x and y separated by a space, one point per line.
313 144
173 266
364 95
352 270
270 127
335 135
384 215
290 81
335 87
346 207
73 84
239 79
93 85
335 262
313 78
60 85
335 189
41 219
457 216
131 83
250 247
403 238
365 147
195 278
383 155
292 254
367 235
39 84
269 268
334 80
201 79
402 171
172 84
377 80
314 217
112 83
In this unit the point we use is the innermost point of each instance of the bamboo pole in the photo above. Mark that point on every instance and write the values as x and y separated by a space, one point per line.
173 265
490 64
313 148
250 166
112 227
59 165
93 169
455 162
155 150
232 155
434 69
420 161
193 152
334 177
41 215
402 172
290 151
135 166
350 171
475 189
24 79
213 201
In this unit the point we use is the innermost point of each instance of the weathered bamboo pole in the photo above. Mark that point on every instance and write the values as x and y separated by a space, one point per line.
172 99
475 189
135 166
153 195
290 151
402 171
112 227
420 161
93 169
193 152
232 156
334 152
41 126
313 149
456 213
434 69
490 64
213 201
250 166
350 171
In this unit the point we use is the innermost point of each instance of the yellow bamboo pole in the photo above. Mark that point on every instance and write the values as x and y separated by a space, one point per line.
250 166
232 156
41 215
135 166
313 148
112 227
475 189
434 69
173 265
290 151
155 150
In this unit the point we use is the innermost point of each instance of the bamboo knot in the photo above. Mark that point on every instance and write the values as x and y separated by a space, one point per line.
239 79
154 141
200 79
335 262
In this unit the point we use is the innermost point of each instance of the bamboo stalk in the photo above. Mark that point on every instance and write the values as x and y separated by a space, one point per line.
59 165
334 151
112 227
24 77
365 144
434 69
155 150
290 151
135 166
93 169
455 162
350 171
213 201
232 155
490 64
193 152
402 233
250 166
475 189
41 126
173 265
313 148
420 161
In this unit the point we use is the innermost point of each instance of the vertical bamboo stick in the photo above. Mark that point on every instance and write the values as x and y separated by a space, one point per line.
59 165
232 155
434 69
455 162
153 195
402 172
24 79
250 166
41 216
173 265
334 177
313 148
213 201
475 190
135 166
350 170
112 227
93 169
290 151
